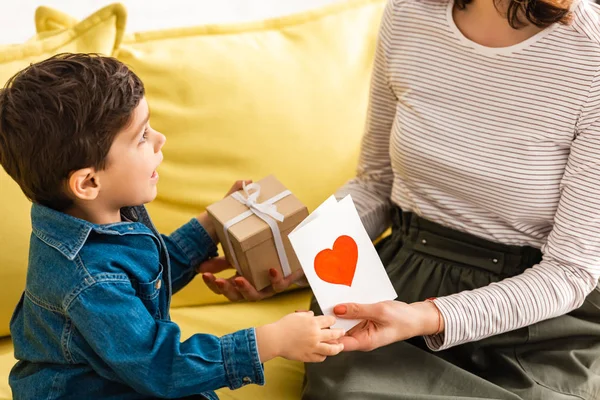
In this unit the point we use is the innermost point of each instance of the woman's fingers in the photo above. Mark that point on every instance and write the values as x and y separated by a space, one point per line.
213 266
359 338
238 288
350 343
222 286
359 311
279 283
277 280
227 289
249 292
209 279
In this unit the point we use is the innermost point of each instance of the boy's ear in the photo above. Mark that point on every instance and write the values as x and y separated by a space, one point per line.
84 184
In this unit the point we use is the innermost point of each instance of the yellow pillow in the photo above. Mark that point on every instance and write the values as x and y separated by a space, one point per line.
286 96
48 19
101 32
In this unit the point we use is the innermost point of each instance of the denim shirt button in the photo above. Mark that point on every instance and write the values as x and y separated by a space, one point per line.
247 380
158 284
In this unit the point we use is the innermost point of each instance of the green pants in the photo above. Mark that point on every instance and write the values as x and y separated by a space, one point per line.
556 359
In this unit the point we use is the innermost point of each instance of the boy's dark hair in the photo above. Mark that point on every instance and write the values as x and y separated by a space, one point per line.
61 115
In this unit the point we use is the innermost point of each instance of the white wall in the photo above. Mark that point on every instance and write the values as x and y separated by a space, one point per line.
17 23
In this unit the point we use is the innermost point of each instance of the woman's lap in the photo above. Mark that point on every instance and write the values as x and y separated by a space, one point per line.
553 360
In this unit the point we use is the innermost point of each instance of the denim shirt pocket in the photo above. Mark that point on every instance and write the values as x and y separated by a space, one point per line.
149 293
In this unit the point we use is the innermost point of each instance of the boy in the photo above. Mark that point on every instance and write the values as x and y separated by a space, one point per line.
93 321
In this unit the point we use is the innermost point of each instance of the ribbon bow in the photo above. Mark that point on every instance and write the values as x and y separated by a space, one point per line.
267 211
250 201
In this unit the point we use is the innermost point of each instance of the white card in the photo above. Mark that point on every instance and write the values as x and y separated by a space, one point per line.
330 269
328 205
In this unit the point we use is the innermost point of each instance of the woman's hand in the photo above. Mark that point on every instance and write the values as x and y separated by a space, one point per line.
237 288
387 322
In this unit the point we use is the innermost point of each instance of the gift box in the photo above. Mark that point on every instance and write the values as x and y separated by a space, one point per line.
253 226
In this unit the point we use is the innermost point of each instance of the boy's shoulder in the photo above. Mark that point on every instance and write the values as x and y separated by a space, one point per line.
68 254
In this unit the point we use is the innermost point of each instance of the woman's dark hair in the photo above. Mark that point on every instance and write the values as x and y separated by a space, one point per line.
541 13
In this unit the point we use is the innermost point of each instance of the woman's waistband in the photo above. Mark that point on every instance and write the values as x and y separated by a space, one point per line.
433 239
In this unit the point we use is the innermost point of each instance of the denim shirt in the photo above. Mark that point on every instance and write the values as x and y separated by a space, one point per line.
94 321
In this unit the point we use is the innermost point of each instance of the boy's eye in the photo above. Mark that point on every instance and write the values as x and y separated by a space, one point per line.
144 136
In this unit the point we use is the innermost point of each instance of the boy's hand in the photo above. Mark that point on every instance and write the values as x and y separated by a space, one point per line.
237 288
205 220
238 185
300 336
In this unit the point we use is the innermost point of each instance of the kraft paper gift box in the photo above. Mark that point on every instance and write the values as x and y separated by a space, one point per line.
253 226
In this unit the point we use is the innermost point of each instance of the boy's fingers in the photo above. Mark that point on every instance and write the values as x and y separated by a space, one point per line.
238 185
331 334
325 321
326 349
317 358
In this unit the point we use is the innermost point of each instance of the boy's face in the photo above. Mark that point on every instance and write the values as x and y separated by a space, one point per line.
130 176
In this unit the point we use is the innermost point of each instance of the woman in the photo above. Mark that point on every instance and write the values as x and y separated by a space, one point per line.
482 151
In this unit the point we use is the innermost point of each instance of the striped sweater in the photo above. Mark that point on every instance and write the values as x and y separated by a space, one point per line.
502 143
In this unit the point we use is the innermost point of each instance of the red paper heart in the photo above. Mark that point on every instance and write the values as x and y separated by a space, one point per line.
338 265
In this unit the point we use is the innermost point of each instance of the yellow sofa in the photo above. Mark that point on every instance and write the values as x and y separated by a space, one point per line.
286 96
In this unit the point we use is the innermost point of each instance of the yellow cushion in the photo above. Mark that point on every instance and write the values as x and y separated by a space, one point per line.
48 19
283 377
7 360
101 32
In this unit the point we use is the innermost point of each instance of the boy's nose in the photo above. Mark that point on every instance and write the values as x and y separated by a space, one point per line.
161 141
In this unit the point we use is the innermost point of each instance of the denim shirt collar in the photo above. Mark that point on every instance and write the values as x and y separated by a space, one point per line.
68 234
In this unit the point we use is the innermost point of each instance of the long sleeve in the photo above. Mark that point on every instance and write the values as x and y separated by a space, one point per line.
372 186
132 347
570 267
188 246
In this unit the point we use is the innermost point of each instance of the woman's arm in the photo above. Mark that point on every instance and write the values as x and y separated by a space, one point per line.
372 187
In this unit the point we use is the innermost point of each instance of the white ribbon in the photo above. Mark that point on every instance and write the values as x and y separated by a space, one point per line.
267 211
